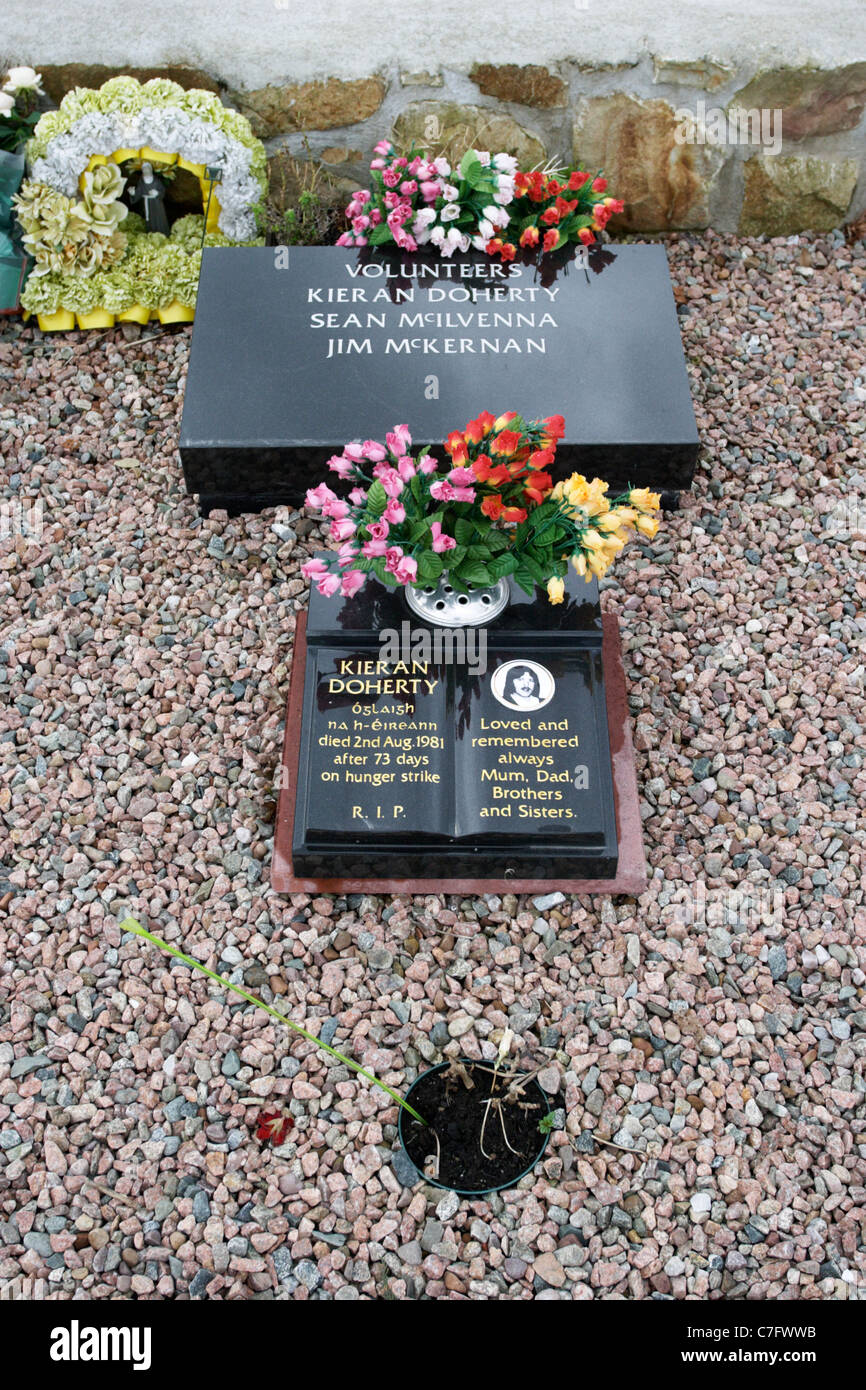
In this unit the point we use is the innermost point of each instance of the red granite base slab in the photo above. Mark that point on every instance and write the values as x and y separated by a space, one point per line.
631 878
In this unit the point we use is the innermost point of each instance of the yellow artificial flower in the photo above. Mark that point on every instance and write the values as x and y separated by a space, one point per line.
627 515
647 525
555 590
579 563
597 563
644 500
588 496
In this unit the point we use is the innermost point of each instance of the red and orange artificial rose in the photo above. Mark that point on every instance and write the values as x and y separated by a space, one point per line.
551 211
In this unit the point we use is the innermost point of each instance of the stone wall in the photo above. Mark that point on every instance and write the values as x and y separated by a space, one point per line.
793 159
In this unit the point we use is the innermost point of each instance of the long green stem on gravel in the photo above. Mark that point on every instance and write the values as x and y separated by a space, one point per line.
137 929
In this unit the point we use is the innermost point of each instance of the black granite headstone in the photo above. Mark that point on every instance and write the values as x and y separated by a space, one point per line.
296 351
417 767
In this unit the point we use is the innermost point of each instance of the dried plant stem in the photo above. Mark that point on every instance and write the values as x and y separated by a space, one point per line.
519 1084
438 1156
110 1192
487 1104
611 1145
504 1135
496 1103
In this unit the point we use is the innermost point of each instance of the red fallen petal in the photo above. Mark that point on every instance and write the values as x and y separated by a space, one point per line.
273 1126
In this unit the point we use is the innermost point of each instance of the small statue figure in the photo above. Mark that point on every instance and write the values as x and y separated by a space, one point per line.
150 192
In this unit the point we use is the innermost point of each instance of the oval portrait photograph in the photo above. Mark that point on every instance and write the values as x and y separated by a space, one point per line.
523 685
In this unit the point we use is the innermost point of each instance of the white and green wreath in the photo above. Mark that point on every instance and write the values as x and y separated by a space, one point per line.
125 114
94 260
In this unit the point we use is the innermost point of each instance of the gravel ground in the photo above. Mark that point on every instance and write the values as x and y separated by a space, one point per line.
711 1034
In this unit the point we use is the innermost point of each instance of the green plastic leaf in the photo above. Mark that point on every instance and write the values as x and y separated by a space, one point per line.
525 579
539 572
496 541
377 498
430 566
473 572
471 168
501 565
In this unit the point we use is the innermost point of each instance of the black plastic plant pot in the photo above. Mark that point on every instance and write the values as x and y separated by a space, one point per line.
456 1114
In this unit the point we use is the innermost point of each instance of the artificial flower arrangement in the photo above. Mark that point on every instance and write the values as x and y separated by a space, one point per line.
18 114
155 273
156 119
93 261
414 200
74 237
552 209
491 511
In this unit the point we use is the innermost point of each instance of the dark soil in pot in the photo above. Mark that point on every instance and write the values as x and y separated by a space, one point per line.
457 1115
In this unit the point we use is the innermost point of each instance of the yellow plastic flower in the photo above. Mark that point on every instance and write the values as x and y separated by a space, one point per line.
597 563
605 545
647 525
644 500
555 590
589 497
579 563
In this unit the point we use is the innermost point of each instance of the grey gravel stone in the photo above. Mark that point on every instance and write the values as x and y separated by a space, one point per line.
778 962
447 1206
308 1274
199 1283
411 1253
22 1066
404 1169
39 1241
231 1063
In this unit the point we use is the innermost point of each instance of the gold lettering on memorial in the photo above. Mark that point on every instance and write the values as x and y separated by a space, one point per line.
527 770
359 677
386 747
